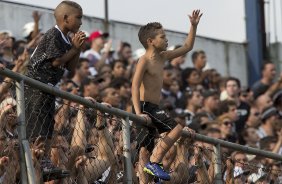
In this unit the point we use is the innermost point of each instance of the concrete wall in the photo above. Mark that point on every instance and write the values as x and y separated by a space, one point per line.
227 57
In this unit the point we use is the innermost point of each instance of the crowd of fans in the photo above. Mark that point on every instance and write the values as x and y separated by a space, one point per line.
88 144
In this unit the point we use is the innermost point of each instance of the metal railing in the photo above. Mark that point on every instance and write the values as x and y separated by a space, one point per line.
26 166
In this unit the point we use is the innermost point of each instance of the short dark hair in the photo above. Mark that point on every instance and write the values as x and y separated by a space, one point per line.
72 4
125 44
186 73
233 79
148 31
264 65
223 106
195 54
113 64
80 61
118 82
265 142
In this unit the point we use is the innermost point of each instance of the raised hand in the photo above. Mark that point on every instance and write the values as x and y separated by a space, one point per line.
78 39
195 18
36 16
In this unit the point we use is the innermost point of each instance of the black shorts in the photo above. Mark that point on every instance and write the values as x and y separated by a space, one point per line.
39 113
161 121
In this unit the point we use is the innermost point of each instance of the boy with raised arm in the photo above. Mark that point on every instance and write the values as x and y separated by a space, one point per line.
55 53
146 90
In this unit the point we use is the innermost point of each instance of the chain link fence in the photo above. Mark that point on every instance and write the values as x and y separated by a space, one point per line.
79 141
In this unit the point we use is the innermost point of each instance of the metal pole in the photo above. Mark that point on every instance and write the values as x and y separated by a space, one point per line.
106 21
21 128
29 162
217 166
274 22
126 150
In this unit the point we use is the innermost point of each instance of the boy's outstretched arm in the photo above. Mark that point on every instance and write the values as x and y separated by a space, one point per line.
189 42
70 58
136 82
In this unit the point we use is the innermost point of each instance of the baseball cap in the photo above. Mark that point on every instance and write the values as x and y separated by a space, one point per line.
277 95
97 34
268 112
28 28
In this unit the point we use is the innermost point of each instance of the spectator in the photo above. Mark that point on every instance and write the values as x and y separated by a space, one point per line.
81 71
199 60
254 117
190 78
233 87
6 54
194 101
96 59
146 87
118 69
90 87
123 86
211 101
228 107
263 101
111 96
125 53
268 74
225 125
251 137
268 116
53 54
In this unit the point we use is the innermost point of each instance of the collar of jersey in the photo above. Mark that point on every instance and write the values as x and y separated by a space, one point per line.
66 39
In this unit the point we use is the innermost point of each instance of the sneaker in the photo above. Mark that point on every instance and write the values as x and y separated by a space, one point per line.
51 172
157 170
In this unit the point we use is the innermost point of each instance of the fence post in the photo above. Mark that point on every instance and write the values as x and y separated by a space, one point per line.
218 163
126 150
21 128
26 177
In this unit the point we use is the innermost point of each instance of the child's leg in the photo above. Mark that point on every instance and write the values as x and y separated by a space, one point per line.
166 143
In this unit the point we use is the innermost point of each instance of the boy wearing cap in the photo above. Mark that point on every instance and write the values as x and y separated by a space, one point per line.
268 115
94 55
146 87
55 53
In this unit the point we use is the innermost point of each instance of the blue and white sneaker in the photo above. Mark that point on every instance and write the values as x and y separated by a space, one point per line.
156 170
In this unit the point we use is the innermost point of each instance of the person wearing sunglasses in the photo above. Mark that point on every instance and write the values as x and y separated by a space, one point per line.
225 125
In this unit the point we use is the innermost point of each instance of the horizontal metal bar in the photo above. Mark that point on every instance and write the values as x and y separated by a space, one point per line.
234 146
65 95
53 90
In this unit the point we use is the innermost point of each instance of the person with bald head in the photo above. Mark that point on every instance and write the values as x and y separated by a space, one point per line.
55 53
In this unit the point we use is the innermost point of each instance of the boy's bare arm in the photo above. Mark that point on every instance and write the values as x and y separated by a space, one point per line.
70 58
189 42
136 82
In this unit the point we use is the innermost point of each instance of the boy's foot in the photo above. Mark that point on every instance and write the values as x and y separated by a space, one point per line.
156 170
51 172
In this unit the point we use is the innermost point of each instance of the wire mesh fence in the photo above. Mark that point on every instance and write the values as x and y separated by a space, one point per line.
70 142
